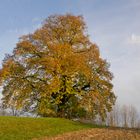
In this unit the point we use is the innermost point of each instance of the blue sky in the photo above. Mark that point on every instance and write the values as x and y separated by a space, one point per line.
112 24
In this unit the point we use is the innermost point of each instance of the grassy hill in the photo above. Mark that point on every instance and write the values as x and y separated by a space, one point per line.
20 128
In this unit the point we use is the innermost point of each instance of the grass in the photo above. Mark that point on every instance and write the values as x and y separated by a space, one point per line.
22 128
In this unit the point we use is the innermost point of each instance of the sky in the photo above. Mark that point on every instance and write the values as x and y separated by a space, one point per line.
114 25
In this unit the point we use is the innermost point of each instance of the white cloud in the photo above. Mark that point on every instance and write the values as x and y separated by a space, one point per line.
38 19
134 39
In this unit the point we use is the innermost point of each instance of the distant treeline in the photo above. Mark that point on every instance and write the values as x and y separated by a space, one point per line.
126 116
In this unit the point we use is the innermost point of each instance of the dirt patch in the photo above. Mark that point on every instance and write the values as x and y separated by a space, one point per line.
98 134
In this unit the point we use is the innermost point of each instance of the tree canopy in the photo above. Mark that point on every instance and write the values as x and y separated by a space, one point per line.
57 71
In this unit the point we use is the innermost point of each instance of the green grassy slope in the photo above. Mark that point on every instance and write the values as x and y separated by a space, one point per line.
19 128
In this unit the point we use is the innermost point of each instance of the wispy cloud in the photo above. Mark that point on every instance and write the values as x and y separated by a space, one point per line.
17 31
134 39
37 19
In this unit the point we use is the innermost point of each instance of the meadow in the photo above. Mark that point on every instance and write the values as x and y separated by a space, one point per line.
23 128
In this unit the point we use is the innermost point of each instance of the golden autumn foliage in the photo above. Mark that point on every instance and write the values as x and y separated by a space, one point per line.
57 71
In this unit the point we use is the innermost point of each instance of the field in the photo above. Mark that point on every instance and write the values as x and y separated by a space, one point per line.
21 128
